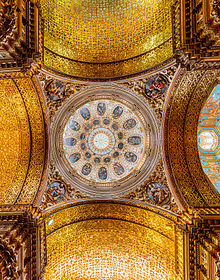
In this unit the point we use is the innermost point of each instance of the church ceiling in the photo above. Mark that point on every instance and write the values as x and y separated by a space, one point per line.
186 101
76 111
104 39
142 241
22 141
109 140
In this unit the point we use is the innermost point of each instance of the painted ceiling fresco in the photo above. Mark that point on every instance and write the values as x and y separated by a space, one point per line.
104 141
209 137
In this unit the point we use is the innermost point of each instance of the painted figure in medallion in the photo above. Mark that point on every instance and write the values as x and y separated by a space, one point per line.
56 191
156 86
55 90
158 193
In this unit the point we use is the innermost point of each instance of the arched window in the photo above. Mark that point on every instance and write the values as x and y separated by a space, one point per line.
209 137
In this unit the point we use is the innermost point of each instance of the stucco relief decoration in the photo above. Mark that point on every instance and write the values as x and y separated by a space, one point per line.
104 141
154 88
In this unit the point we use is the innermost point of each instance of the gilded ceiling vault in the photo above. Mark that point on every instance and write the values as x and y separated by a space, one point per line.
22 141
108 40
109 140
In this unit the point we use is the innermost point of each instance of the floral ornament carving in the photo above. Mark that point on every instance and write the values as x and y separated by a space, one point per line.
156 191
154 88
7 18
57 190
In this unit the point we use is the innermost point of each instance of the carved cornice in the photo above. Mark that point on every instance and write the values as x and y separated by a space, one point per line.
21 38
196 31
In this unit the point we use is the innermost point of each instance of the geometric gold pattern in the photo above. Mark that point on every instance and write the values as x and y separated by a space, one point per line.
113 241
22 141
189 182
97 39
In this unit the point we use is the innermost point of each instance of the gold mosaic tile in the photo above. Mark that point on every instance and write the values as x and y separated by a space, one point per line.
95 38
113 241
109 249
21 141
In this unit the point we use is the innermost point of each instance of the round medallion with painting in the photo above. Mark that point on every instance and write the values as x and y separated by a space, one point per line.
104 141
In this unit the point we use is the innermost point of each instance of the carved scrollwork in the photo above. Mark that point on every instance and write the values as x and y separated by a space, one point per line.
7 18
156 191
154 88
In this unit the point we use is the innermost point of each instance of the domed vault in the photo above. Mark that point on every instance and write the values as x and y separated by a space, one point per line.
104 39
105 140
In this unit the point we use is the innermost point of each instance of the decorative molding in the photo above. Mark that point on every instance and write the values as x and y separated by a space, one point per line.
20 245
21 36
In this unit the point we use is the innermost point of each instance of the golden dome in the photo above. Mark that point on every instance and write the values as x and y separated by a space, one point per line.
95 38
